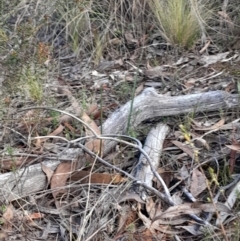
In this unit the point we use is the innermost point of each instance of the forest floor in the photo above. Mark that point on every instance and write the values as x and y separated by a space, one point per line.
40 67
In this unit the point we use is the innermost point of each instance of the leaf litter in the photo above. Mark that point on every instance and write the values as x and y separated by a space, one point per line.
79 184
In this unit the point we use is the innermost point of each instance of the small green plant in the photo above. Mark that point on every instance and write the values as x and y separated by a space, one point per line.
3 36
55 118
3 208
32 83
10 150
180 21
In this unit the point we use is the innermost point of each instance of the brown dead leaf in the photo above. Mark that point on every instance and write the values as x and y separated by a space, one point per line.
91 109
184 148
151 208
127 217
146 221
48 171
146 235
139 89
155 72
56 132
166 175
33 216
94 145
60 176
7 219
211 208
178 210
233 154
198 183
154 226
38 142
8 164
216 126
103 178
68 126
234 147
130 39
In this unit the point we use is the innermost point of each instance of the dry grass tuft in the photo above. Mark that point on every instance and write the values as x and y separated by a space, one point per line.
181 22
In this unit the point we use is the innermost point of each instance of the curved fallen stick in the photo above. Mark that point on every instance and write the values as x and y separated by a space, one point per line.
149 104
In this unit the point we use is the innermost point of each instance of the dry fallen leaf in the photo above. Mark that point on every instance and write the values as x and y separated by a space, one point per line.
234 147
60 176
8 217
211 208
146 221
198 183
48 171
34 216
94 145
103 178
211 59
130 39
178 210
154 226
231 200
216 126
151 208
184 148
127 217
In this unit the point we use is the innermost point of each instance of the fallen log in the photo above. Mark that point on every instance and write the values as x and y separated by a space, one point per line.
25 181
145 106
149 104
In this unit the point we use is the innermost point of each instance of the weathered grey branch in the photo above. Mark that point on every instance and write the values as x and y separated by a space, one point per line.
149 104
153 147
14 185
145 171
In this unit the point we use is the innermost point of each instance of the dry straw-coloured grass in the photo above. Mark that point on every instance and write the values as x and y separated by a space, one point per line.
181 22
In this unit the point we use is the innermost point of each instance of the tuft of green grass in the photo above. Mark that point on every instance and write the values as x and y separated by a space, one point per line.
181 22
32 83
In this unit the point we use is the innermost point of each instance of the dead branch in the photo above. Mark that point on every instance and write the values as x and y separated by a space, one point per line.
149 105
30 180
145 171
